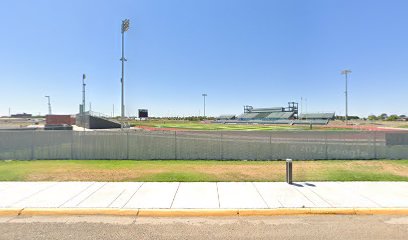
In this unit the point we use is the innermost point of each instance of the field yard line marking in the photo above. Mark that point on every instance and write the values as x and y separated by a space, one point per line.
76 194
175 194
253 184
133 195
218 195
55 183
91 194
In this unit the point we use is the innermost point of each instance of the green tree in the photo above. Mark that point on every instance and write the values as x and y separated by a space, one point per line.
372 118
393 117
383 116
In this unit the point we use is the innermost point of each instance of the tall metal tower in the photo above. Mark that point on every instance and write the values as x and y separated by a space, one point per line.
83 92
125 28
345 73
204 95
49 105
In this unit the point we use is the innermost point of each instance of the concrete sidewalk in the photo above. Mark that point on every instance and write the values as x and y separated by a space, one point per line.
202 195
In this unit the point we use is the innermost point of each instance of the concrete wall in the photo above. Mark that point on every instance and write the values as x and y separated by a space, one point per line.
307 145
93 122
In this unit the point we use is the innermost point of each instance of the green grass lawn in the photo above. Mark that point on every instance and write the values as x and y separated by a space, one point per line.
198 170
195 125
236 127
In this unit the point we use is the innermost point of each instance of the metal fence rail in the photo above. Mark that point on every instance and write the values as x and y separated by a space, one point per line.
222 145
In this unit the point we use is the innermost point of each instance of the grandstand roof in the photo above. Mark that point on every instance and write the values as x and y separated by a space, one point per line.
272 109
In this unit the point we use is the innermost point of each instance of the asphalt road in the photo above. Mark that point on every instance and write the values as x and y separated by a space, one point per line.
276 227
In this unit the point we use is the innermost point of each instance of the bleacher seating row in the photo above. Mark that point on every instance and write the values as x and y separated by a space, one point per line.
266 115
279 121
277 115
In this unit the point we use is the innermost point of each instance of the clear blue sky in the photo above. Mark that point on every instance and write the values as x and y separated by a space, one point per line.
252 52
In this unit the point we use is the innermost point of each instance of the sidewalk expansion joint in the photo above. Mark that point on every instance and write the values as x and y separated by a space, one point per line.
218 195
83 200
253 184
133 195
175 194
42 189
116 198
83 190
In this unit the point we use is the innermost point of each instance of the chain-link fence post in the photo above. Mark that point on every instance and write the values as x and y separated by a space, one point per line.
326 154
127 145
32 144
175 145
222 146
72 145
375 144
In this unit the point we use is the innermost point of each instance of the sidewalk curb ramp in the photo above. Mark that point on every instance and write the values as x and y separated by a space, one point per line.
200 212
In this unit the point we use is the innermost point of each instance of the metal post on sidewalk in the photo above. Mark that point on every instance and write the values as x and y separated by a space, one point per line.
289 171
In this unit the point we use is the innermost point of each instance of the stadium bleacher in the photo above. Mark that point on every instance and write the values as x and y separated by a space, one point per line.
278 115
316 116
247 116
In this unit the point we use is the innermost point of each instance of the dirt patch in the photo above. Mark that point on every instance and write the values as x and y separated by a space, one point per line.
92 174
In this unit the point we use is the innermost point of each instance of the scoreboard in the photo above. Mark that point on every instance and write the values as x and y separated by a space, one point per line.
143 113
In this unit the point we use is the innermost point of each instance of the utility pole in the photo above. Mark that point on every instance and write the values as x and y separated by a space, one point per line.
204 95
125 27
345 73
49 105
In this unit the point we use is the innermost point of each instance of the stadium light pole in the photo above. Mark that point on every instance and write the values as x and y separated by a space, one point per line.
125 28
49 105
345 73
204 95
83 92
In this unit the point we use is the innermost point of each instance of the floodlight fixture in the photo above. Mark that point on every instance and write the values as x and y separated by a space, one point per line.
204 95
125 25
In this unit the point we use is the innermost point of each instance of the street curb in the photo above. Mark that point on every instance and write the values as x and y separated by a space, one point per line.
188 212
78 211
10 211
200 212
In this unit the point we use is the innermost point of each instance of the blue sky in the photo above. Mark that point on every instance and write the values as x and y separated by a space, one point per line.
252 52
